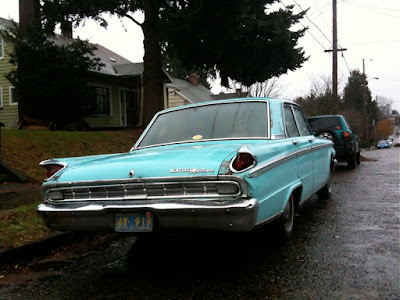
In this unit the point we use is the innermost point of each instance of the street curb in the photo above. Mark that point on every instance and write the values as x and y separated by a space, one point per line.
36 249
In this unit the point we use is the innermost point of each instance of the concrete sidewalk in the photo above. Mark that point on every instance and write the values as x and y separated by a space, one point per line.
39 248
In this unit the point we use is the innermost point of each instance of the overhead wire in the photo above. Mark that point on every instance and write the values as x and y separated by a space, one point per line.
321 11
370 8
323 47
342 73
344 58
312 21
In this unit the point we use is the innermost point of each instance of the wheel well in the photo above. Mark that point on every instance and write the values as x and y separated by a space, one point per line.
297 197
333 164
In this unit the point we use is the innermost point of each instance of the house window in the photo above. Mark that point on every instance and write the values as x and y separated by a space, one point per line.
1 97
130 107
1 47
13 96
102 100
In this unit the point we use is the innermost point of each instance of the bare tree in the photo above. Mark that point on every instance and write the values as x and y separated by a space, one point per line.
269 88
385 105
320 100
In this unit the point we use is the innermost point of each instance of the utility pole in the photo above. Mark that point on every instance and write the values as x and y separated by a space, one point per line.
334 53
365 102
335 50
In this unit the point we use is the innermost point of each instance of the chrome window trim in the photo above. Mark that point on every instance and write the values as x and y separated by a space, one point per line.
297 121
268 137
201 141
290 105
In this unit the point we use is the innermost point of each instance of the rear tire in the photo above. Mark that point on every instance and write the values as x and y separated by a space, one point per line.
352 162
358 158
286 221
326 191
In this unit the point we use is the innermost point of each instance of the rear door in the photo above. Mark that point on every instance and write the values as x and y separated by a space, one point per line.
298 131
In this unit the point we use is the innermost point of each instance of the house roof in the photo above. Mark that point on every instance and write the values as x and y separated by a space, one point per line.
5 22
193 93
114 64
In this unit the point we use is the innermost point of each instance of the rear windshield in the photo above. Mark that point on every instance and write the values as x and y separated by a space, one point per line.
215 121
332 123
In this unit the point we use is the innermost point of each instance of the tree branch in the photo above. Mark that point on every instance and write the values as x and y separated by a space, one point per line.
134 20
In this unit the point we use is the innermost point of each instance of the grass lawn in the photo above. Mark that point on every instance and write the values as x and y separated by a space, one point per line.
23 150
20 226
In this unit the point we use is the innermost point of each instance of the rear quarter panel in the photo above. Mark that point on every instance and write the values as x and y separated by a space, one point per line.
273 185
323 155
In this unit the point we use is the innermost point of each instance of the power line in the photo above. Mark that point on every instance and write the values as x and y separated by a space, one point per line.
323 47
372 6
372 10
344 58
311 21
321 11
376 42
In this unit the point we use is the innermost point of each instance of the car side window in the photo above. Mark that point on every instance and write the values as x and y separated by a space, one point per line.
290 122
301 121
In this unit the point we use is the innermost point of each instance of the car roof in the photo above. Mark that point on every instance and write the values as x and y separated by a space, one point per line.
325 116
271 100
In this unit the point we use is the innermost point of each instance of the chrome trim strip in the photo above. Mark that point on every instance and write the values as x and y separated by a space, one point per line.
271 164
246 203
239 215
201 141
53 162
148 179
142 192
244 149
322 146
280 160
270 219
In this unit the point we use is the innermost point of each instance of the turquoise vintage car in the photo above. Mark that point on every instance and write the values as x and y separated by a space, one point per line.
229 165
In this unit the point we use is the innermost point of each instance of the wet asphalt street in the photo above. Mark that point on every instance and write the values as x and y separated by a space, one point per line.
347 247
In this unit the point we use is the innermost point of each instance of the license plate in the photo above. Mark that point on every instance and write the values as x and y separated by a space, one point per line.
140 222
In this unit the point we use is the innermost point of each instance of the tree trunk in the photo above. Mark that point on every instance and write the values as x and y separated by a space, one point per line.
152 77
29 16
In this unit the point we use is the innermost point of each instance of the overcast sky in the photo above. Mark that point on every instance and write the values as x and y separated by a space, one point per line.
367 28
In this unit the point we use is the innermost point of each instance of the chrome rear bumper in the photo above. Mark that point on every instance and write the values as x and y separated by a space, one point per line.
238 216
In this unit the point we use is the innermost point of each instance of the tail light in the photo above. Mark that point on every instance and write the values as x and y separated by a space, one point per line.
346 135
244 160
52 167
